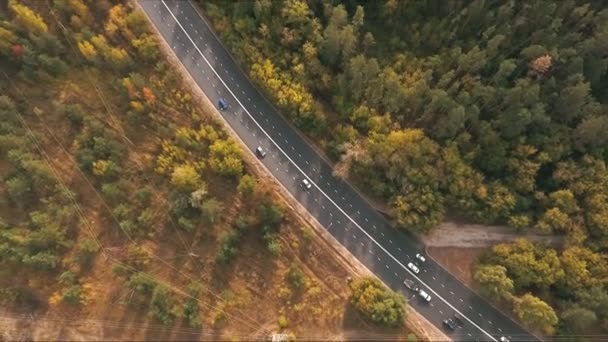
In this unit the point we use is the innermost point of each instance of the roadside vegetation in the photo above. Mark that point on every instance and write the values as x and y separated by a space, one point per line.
495 110
123 199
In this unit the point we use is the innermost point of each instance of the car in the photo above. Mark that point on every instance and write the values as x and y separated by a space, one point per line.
410 285
420 257
424 295
450 324
260 152
222 104
413 267
503 339
306 183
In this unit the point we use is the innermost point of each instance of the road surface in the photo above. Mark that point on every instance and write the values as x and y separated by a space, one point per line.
352 221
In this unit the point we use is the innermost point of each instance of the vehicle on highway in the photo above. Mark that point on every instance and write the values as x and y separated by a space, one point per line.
450 324
260 152
413 267
222 104
424 295
420 257
306 183
410 284
503 339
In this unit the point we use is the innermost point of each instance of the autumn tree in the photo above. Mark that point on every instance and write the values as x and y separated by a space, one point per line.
494 281
535 313
185 177
377 302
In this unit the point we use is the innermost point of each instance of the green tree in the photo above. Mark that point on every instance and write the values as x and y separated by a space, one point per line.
377 302
578 320
535 313
211 210
529 265
247 185
163 305
494 282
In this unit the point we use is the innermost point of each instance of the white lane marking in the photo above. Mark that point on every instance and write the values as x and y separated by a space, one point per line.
322 206
313 183
470 307
462 301
452 293
378 258
382 233
442 285
480 315
399 248
500 330
390 241
366 220
441 312
490 322
354 237
434 278
361 244
371 252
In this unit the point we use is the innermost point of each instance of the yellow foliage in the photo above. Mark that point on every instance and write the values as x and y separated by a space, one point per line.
87 50
7 39
137 106
56 298
27 18
100 167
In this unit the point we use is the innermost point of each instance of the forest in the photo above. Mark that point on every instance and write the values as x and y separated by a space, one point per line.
123 199
492 111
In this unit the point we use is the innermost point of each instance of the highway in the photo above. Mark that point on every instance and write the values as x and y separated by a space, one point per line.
336 206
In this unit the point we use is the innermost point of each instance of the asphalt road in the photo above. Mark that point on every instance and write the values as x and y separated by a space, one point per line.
351 220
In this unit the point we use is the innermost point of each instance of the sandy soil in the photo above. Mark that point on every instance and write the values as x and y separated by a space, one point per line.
453 234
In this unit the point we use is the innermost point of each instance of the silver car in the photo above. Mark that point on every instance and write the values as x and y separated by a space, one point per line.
413 267
424 295
306 183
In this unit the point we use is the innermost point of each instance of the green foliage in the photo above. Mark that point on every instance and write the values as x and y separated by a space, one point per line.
530 266
163 305
296 277
228 247
87 249
72 295
212 210
377 302
494 282
247 185
141 282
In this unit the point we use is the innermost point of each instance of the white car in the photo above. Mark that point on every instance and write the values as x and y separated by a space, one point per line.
424 295
420 257
413 267
306 183
503 339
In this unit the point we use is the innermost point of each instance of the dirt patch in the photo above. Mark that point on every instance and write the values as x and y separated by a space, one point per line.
458 261
453 234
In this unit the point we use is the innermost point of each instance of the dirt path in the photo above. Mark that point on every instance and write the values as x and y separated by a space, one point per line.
452 234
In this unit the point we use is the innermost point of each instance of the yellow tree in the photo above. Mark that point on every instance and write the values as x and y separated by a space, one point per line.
87 50
27 18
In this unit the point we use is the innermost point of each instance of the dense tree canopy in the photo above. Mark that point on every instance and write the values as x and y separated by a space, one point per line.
495 110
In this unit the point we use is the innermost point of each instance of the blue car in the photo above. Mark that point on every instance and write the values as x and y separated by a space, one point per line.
223 104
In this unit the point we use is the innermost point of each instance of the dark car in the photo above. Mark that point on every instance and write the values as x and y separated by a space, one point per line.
410 285
450 324
222 104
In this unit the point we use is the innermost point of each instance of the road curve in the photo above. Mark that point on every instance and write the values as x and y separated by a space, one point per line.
352 221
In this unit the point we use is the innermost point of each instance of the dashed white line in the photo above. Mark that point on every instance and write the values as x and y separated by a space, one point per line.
369 236
386 267
390 241
452 293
